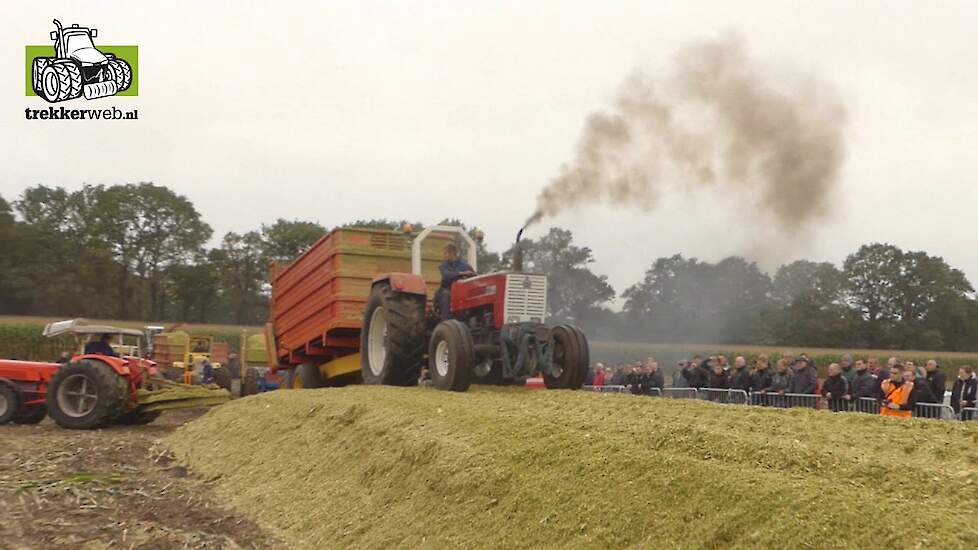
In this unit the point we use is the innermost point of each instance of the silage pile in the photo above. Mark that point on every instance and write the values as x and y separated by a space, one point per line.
408 467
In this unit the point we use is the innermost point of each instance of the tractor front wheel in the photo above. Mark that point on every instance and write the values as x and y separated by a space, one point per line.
86 395
570 356
451 356
121 72
392 339
61 81
222 377
308 375
9 403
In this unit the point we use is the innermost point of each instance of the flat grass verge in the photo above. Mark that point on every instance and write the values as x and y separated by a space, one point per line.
369 466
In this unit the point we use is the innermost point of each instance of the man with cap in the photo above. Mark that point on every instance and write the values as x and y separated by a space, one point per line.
452 269
101 346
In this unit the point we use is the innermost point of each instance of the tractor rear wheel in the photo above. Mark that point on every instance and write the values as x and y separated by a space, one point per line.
61 81
86 395
584 359
249 384
9 403
308 375
567 354
222 377
122 72
451 356
392 338
32 415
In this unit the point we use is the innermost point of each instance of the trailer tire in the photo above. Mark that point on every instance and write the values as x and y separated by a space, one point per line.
249 384
137 418
222 378
9 403
392 340
93 379
308 375
32 415
451 356
566 359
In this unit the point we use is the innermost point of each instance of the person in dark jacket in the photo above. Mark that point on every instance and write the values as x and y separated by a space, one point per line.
635 380
739 375
694 375
848 372
718 378
452 269
101 346
921 393
937 379
804 381
864 386
654 378
760 379
619 375
835 389
965 392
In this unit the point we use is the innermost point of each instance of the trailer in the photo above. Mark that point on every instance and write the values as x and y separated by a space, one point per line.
317 303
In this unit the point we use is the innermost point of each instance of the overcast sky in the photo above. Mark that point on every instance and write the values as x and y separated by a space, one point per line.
331 112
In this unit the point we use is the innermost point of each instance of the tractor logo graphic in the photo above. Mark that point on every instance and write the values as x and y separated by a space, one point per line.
78 68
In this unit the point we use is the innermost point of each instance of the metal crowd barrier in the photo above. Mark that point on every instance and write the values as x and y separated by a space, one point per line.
786 400
933 410
719 395
607 389
969 413
867 405
679 393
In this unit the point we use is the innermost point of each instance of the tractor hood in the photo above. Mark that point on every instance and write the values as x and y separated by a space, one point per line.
89 56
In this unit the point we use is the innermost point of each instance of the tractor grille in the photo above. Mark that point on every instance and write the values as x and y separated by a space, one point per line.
526 298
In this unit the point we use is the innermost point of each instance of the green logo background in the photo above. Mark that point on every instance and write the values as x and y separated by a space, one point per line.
129 53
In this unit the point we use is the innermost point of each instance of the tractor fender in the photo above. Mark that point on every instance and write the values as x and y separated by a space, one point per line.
407 283
118 364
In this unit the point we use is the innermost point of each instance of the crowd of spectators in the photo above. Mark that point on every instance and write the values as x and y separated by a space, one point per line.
898 388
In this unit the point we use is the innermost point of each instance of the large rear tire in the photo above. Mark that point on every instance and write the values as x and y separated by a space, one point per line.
32 415
61 81
249 384
222 377
9 403
86 395
567 363
584 359
451 356
392 339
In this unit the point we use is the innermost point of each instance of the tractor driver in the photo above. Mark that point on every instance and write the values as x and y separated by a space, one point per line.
452 269
100 346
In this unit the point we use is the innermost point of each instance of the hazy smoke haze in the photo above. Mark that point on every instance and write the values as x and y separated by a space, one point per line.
718 121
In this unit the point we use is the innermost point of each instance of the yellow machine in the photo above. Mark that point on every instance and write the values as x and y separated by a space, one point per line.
183 357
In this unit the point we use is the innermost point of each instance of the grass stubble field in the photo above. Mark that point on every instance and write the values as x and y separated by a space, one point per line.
382 467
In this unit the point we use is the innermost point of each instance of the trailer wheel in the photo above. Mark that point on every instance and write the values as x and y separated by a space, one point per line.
32 415
86 395
9 403
249 384
392 339
566 359
308 375
451 356
222 377
137 418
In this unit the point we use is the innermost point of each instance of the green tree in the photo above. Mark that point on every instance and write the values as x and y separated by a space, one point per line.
242 272
809 306
871 274
284 240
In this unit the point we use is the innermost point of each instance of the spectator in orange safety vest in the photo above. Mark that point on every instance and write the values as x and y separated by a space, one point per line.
896 393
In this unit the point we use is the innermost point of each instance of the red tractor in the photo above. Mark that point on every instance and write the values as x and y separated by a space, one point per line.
495 331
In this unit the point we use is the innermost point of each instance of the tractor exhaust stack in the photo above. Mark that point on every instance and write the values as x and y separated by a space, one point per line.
518 252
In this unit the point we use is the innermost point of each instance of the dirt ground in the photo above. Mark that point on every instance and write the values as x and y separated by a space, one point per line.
111 488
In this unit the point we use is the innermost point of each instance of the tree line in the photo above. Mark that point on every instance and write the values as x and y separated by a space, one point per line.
141 251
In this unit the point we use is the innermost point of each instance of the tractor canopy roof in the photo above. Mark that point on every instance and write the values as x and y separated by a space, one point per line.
80 326
78 45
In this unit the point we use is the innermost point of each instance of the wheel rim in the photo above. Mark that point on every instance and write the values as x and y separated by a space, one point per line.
77 396
441 358
4 404
557 363
377 341
50 83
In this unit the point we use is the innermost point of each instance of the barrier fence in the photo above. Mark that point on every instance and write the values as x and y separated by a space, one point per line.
866 405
